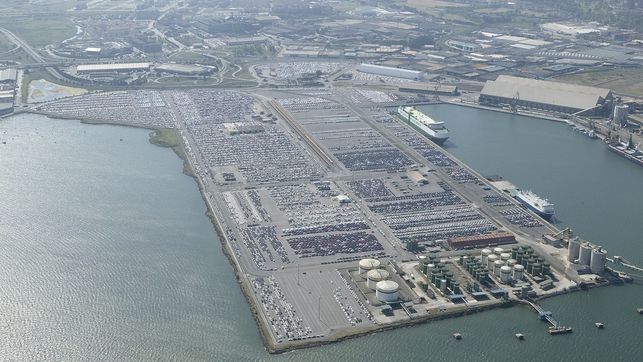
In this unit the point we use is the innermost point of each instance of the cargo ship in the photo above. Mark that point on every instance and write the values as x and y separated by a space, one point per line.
533 202
434 130
627 150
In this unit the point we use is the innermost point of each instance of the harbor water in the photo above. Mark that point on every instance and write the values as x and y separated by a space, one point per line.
107 253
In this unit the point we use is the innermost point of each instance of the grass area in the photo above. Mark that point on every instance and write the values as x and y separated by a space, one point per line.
626 81
5 44
168 137
165 137
39 23
424 5
18 56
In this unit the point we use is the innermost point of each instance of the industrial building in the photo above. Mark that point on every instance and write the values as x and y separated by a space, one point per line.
497 238
429 88
118 67
545 95
389 71
8 75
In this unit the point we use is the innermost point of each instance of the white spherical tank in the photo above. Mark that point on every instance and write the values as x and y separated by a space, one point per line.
498 251
519 272
505 256
496 266
505 273
368 264
490 260
512 262
429 268
375 276
597 261
387 291
484 255
573 249
585 254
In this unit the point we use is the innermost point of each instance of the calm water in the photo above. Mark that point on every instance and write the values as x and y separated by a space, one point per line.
107 255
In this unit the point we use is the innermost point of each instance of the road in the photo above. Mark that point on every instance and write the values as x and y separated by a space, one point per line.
31 52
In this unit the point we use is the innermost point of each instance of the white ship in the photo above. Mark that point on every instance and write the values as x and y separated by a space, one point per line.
431 128
536 204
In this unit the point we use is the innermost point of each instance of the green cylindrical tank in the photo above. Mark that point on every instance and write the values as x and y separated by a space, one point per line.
530 267
456 288
537 269
423 268
546 269
433 278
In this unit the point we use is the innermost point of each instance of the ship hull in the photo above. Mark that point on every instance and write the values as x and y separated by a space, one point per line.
544 215
625 155
423 131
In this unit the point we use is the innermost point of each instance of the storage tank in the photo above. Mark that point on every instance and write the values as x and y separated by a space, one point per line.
498 251
505 256
368 264
387 291
573 249
512 262
620 113
456 288
546 268
375 276
490 260
429 268
519 272
597 262
443 285
514 252
585 254
485 254
537 269
496 267
505 273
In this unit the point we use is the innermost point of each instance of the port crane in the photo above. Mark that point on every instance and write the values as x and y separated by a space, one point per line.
514 102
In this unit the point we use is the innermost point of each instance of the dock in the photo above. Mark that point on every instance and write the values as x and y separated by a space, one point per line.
556 327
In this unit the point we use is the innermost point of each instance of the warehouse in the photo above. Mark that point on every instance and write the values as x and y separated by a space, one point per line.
119 67
389 71
545 95
429 88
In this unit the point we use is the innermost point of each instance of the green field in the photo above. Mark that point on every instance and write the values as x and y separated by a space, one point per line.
38 24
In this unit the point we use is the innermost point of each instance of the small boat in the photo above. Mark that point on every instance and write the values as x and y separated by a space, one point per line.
520 336
559 330
599 325
457 336
640 310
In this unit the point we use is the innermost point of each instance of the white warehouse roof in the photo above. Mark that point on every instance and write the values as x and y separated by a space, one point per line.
546 92
389 71
112 67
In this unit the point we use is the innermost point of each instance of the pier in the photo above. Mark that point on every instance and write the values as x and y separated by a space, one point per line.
556 327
